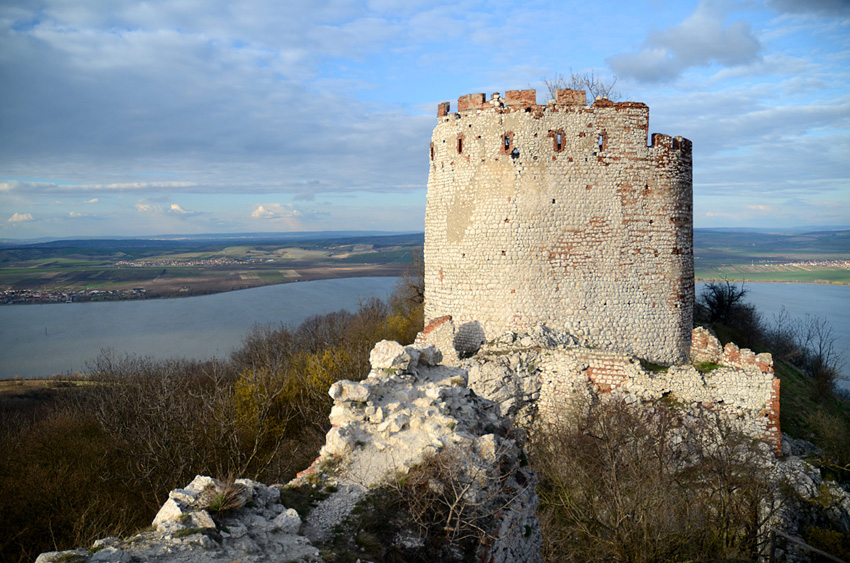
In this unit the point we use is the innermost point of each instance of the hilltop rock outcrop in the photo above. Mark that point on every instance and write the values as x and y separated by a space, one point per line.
418 432
401 419
408 410
187 528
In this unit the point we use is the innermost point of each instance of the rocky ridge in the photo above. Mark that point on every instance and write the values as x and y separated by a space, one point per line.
409 410
406 411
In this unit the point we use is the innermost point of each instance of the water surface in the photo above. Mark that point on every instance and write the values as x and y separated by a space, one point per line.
830 302
40 340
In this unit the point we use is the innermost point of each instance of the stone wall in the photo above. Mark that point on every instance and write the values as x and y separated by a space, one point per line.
542 376
561 214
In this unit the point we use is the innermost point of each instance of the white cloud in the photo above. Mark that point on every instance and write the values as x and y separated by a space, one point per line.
92 200
75 214
20 217
274 211
147 208
178 211
700 40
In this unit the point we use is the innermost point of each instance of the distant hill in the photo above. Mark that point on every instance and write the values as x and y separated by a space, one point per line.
171 241
755 255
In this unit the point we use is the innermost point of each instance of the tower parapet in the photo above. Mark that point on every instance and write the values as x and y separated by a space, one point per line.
561 214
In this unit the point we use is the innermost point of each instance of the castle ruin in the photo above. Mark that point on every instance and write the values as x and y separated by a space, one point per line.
560 214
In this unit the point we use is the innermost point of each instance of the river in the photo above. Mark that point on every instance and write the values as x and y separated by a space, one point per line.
40 340
829 302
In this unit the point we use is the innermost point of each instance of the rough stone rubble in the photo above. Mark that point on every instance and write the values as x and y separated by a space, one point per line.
406 409
185 530
410 407
540 375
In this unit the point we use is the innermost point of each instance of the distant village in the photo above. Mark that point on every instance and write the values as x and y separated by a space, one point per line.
205 262
18 296
35 296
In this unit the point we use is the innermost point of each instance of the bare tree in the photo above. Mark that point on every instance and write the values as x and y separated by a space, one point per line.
821 357
720 299
643 484
593 85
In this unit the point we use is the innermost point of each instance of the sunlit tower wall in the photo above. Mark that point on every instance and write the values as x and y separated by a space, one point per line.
561 214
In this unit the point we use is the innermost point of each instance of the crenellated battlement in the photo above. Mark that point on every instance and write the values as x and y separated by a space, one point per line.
565 99
565 214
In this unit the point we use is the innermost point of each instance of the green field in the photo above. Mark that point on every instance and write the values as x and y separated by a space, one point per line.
816 257
815 275
188 267
165 268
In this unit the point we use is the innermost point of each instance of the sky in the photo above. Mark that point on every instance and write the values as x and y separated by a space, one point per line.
138 118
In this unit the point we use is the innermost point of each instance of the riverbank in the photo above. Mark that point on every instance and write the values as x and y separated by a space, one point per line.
41 340
786 281
176 288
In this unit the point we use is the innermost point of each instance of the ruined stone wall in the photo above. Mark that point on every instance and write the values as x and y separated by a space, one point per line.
534 381
561 214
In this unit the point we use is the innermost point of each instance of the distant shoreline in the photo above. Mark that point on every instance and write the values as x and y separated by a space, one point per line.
114 295
809 282
48 296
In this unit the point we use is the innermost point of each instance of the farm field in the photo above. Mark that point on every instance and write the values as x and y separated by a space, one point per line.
132 269
814 257
90 270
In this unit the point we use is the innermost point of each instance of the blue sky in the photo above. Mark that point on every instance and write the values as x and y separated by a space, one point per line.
197 116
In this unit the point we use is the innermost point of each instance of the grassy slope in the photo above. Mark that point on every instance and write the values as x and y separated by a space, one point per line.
825 421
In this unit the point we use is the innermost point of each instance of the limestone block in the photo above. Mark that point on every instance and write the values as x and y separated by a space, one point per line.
183 496
200 519
288 521
62 556
345 390
429 355
375 415
339 414
339 441
487 447
395 423
388 354
110 555
170 511
199 483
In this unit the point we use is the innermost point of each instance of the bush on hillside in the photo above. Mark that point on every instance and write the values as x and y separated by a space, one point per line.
100 460
617 484
808 343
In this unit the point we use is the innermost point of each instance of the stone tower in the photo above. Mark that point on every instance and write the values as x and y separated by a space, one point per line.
560 214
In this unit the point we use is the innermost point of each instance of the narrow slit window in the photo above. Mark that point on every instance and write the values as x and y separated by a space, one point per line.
601 141
557 140
459 145
507 142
